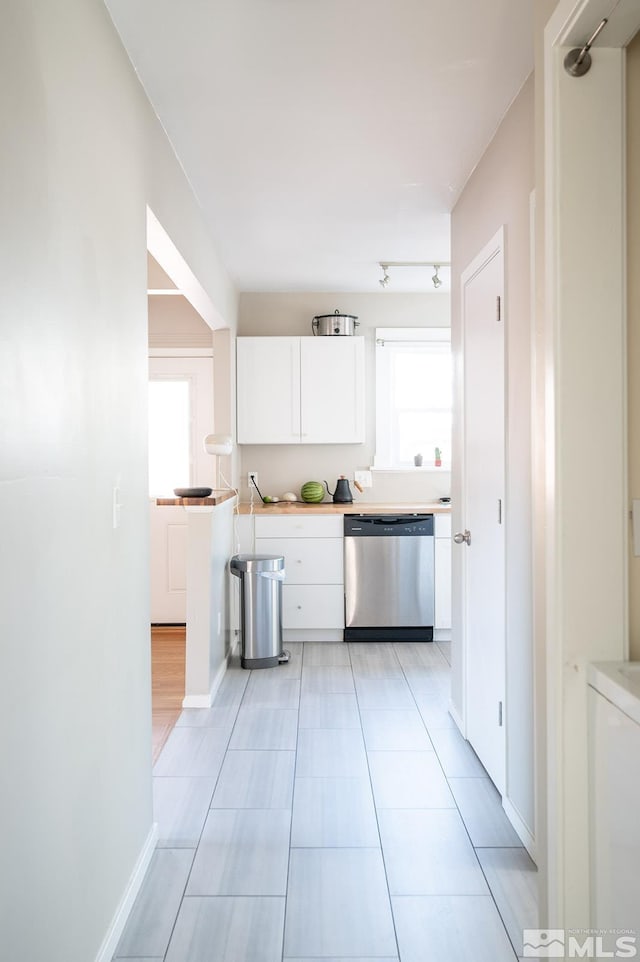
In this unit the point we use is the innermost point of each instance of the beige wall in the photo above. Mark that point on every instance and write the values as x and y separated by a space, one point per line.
498 193
84 155
173 322
633 293
287 467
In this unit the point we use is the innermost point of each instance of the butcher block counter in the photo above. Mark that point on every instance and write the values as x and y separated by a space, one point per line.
357 507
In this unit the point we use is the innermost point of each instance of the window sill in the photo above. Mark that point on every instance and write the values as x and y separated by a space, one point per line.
424 469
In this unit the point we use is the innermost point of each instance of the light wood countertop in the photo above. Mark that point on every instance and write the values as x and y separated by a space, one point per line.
358 507
216 497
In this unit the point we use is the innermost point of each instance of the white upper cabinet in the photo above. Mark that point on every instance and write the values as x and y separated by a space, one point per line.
332 390
268 390
300 390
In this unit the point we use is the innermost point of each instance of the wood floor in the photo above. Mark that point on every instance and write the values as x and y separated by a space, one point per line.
167 682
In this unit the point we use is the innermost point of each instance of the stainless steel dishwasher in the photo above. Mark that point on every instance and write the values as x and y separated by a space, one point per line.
389 577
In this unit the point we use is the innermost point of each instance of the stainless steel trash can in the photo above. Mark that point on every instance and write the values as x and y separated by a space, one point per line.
261 577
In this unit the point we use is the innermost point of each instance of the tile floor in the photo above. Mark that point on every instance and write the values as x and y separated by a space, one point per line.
329 809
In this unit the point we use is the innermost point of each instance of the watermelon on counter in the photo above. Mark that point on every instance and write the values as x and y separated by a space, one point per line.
312 492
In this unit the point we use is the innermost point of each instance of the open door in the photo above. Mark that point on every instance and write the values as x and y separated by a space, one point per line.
483 510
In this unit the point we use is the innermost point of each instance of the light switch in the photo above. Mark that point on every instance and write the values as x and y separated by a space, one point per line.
363 478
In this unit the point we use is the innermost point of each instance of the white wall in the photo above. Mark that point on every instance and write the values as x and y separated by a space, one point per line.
287 467
83 156
497 194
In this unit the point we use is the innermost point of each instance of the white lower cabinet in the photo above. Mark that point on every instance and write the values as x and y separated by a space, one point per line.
313 606
313 592
442 575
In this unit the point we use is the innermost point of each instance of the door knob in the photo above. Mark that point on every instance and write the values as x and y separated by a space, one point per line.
459 538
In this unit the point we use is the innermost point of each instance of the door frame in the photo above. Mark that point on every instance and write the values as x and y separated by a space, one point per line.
583 605
490 250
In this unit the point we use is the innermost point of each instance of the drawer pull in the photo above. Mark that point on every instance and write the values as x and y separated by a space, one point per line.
299 607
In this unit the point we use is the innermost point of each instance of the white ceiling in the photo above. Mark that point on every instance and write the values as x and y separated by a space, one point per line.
324 136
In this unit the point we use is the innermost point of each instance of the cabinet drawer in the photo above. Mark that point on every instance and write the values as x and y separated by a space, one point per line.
308 606
442 525
307 561
300 526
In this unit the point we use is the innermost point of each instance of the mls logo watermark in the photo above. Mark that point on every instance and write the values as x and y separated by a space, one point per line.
578 944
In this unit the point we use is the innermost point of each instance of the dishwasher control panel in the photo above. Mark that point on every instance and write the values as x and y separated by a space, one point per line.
385 525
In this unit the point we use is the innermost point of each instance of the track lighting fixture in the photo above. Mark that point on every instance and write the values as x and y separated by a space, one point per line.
436 279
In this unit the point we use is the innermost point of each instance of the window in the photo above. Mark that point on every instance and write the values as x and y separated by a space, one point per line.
413 396
169 436
180 415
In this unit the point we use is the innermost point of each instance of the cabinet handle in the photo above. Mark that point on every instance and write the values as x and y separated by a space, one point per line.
298 561
299 607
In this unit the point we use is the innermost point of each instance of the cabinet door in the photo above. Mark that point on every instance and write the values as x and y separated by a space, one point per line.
332 390
268 390
274 525
307 561
442 579
312 606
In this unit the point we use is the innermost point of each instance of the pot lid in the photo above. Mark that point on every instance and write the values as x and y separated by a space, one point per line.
336 313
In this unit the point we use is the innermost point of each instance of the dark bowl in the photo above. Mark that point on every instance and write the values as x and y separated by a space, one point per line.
192 492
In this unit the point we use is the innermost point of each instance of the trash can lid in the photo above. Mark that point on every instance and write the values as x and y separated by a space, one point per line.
257 562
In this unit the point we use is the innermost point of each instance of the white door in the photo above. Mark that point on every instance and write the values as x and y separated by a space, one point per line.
180 416
483 509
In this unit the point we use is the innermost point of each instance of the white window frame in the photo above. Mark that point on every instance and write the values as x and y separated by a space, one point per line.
383 460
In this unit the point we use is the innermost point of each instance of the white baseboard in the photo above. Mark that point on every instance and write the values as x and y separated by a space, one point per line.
457 719
520 827
442 634
206 701
115 930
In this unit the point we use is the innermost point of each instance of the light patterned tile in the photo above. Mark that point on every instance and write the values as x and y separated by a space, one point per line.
322 752
434 708
228 930
242 853
319 653
255 779
193 752
180 807
408 780
152 918
338 904
481 808
328 711
383 693
450 928
328 679
333 813
428 852
271 692
456 755
513 880
394 730
275 728
208 717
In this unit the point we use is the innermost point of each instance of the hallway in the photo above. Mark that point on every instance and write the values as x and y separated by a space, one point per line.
330 809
